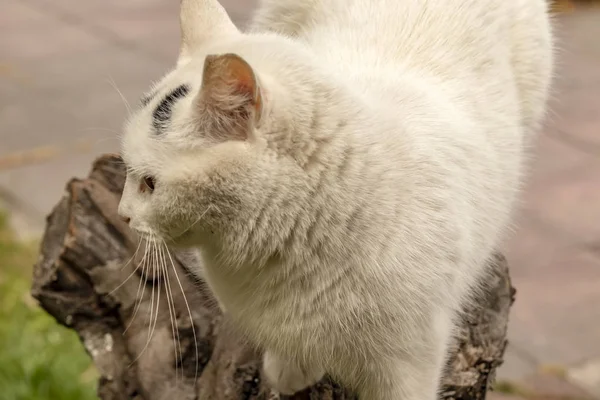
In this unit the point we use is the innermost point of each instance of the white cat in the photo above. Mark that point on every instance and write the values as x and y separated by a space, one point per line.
345 169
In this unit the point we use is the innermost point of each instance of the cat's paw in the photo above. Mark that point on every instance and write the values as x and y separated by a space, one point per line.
286 377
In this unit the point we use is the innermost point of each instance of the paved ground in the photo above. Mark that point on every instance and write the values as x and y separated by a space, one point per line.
63 64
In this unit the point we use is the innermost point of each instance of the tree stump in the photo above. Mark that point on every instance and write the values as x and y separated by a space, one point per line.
87 278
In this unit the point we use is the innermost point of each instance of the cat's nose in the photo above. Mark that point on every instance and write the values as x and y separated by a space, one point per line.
126 219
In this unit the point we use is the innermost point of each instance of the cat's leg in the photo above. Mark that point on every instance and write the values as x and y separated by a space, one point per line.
415 374
400 381
287 376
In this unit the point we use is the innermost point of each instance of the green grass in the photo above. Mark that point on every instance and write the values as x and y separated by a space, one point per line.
39 359
510 388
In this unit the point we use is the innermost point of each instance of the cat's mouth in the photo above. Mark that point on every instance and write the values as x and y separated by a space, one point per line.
179 240
146 235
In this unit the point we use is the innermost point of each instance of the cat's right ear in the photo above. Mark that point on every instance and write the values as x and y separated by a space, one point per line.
200 21
230 101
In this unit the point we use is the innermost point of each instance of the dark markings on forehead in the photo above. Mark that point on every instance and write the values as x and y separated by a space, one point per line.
162 113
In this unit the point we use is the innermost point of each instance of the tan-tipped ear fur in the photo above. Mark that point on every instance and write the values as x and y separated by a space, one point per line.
201 20
231 91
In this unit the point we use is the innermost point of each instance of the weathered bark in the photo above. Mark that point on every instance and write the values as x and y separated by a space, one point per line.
79 280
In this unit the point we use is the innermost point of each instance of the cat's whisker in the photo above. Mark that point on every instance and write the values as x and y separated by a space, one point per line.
210 206
172 312
166 288
138 171
153 266
178 350
187 305
156 276
104 140
129 262
140 297
153 312
134 255
125 102
124 266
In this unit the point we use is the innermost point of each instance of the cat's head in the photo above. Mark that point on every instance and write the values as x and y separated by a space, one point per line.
191 149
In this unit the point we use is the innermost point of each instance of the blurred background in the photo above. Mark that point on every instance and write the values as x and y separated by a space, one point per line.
67 73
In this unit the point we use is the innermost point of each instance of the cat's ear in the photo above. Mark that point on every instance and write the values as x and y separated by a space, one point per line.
201 20
230 95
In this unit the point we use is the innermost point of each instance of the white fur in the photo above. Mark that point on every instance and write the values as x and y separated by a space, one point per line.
344 235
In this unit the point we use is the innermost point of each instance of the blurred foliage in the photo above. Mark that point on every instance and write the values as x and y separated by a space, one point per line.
39 359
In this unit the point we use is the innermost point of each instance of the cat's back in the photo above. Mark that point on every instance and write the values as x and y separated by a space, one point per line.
485 44
383 31
411 29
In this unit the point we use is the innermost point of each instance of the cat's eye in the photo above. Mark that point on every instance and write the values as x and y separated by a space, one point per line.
147 184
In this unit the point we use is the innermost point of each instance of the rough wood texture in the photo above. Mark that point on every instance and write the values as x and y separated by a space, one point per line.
79 280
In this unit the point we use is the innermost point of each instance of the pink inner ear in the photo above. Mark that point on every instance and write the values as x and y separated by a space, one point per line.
229 102
243 79
230 75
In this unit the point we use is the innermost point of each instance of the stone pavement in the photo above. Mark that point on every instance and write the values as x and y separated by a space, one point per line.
64 66
555 253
